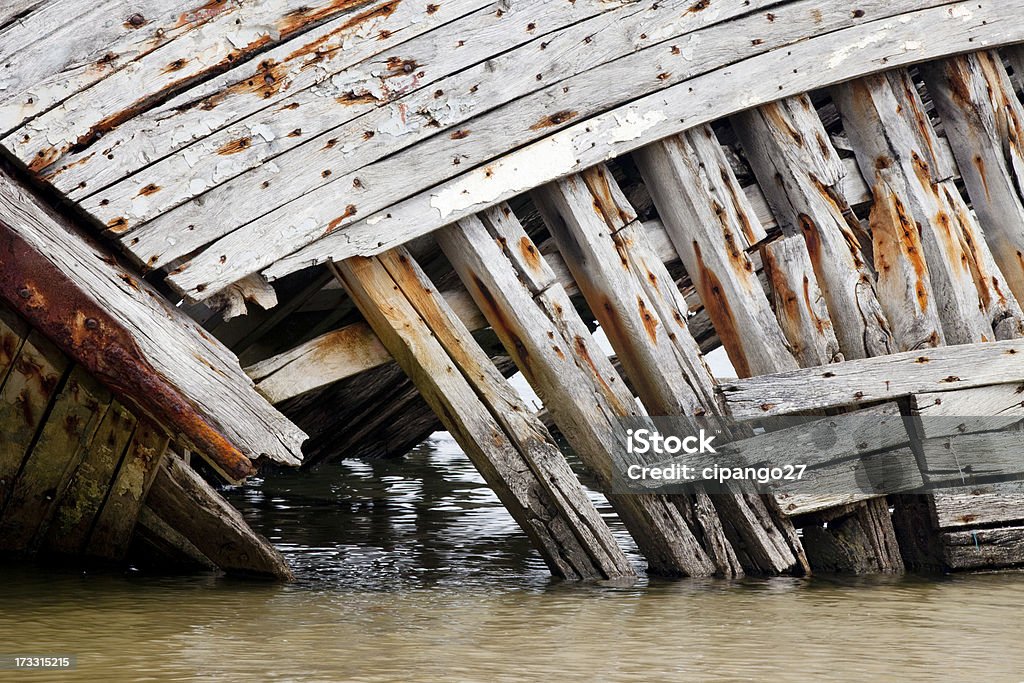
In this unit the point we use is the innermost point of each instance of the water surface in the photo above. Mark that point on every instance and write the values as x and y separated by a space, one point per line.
411 571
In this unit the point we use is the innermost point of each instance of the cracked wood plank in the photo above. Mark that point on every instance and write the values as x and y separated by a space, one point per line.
984 121
719 93
691 184
577 146
884 378
506 442
802 176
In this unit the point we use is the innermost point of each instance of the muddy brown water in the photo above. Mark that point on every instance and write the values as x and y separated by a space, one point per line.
411 571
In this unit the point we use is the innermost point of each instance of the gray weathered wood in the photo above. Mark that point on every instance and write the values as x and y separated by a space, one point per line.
802 177
840 547
884 378
925 284
984 548
984 122
846 54
184 502
799 304
690 182
979 505
196 364
586 397
1014 56
510 448
969 410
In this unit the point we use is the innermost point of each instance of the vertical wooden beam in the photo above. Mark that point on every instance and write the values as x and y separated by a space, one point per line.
711 226
115 522
83 498
507 444
802 177
930 297
643 314
536 322
1014 56
33 380
984 121
64 441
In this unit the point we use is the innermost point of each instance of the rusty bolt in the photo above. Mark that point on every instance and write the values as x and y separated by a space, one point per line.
136 20
24 292
91 323
408 67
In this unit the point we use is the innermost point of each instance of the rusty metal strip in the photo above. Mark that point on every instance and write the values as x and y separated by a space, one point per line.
58 307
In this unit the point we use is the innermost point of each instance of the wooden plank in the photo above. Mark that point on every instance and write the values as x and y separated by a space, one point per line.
839 547
250 90
83 499
984 548
74 105
143 348
116 521
506 443
884 378
802 176
15 11
33 381
13 331
985 504
984 121
969 410
187 504
389 102
705 98
705 222
798 302
168 543
63 443
925 286
554 350
969 458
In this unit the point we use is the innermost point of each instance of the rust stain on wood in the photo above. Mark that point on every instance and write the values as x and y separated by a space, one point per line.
235 146
53 304
709 287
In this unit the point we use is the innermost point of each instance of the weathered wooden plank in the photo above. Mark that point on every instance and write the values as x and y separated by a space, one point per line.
984 121
966 458
133 340
169 544
34 379
847 54
221 35
554 350
15 11
840 546
924 283
380 106
13 331
979 505
116 521
77 510
798 302
267 83
884 378
187 504
802 177
705 222
984 548
969 410
46 473
509 446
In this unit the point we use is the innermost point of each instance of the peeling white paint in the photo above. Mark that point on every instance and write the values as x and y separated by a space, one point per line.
843 53
632 124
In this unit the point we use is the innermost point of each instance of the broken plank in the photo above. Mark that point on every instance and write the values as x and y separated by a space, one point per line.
884 378
83 498
510 448
31 384
689 180
189 506
705 98
63 443
803 176
115 523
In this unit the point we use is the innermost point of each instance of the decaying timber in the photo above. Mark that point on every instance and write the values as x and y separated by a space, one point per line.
424 199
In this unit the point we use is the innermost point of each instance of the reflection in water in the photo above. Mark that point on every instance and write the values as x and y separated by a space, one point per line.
411 571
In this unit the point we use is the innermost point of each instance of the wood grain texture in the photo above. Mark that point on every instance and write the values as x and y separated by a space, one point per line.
883 378
984 548
847 53
802 176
